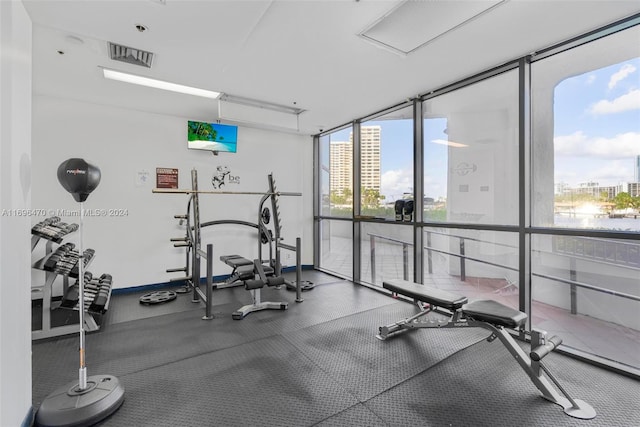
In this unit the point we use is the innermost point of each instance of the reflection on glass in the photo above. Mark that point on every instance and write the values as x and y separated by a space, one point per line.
478 264
436 161
471 153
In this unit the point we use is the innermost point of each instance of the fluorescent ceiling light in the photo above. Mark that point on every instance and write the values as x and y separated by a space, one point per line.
253 114
259 113
449 143
261 104
158 84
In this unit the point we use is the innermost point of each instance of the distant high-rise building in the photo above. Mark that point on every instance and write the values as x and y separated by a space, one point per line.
370 157
340 167
341 161
637 169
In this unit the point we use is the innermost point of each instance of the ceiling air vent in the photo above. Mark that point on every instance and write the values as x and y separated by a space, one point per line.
130 55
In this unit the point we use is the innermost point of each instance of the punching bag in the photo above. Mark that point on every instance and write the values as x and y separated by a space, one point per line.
79 178
90 399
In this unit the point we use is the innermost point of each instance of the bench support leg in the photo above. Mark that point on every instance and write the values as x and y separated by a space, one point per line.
257 306
575 408
414 322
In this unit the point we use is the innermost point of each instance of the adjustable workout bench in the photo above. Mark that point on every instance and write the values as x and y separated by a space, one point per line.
255 285
242 270
495 317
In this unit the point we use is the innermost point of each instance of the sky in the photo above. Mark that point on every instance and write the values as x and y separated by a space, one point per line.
597 125
596 135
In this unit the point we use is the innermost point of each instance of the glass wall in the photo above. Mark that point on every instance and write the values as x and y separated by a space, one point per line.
585 151
471 153
581 192
386 167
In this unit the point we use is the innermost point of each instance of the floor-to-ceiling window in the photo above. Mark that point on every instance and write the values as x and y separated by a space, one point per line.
585 151
336 201
470 138
530 177
386 181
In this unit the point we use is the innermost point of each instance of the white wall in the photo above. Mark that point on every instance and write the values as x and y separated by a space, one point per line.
135 247
15 195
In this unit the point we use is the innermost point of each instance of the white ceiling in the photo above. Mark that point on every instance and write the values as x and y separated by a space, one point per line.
303 53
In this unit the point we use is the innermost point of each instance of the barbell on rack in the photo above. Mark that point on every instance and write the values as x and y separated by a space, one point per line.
185 191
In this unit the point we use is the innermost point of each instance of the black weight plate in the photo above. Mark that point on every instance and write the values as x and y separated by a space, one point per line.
305 285
157 297
266 215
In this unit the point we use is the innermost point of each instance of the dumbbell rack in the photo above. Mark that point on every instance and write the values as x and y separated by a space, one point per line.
52 231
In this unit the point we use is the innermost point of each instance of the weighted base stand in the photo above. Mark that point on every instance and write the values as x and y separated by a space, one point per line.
250 308
71 406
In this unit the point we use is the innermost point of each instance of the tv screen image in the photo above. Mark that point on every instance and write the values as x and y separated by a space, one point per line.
212 137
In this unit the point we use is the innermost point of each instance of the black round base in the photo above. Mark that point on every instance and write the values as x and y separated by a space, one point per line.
305 285
70 406
158 297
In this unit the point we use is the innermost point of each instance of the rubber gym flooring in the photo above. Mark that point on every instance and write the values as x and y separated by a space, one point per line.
316 364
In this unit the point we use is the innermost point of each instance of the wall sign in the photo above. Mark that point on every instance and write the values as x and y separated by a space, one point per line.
166 178
142 178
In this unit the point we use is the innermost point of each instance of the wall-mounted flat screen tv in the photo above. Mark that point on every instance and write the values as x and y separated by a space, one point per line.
212 137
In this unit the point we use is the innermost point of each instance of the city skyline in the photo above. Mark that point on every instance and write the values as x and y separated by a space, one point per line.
341 164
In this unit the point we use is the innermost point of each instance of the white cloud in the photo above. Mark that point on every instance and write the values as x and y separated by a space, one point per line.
591 79
621 146
627 102
584 169
434 187
394 183
621 75
564 173
613 172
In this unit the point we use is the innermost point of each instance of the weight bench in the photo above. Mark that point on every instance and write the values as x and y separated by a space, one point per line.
495 317
255 285
242 270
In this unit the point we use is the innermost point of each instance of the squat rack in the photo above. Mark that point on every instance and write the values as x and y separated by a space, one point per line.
193 242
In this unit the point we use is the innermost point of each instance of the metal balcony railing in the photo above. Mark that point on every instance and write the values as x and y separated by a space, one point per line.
630 249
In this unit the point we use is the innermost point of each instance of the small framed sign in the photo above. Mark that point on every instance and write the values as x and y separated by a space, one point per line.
166 178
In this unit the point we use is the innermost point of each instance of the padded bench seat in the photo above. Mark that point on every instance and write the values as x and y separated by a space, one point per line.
426 294
235 261
488 311
493 312
268 270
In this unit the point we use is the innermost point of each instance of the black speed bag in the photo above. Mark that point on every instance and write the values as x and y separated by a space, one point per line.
79 178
